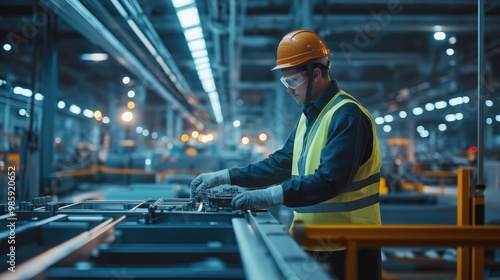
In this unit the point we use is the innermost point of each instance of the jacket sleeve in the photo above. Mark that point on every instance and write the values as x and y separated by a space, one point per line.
348 145
272 170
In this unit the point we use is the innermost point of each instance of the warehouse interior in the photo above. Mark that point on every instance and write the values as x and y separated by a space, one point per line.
111 108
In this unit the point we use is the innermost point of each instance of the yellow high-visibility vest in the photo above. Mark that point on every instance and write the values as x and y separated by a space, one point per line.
359 203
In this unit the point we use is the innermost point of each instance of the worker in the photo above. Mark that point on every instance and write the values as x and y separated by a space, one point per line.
328 170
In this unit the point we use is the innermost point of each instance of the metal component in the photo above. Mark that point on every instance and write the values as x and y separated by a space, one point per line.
220 200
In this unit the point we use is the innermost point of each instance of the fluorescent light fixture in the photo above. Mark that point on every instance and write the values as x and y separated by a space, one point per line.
417 111
188 17
379 120
439 36
193 33
450 118
200 53
214 100
201 60
61 104
94 57
202 66
205 74
429 107
27 92
181 3
18 90
75 109
440 105
197 45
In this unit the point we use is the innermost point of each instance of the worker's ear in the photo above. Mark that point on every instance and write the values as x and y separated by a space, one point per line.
316 74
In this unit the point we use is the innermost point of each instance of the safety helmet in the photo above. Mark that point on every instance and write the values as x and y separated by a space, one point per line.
299 47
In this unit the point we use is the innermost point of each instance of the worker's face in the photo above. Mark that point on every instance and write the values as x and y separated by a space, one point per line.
296 83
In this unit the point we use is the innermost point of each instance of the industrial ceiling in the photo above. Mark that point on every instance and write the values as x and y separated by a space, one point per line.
385 53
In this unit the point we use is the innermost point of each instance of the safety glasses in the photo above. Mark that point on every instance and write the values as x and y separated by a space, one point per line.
295 80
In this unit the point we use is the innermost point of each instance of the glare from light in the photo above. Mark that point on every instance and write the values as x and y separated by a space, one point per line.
456 101
75 109
424 134
126 80
131 94
61 104
27 92
96 57
22 112
145 132
488 103
450 118
439 36
466 99
38 96
450 51
417 111
387 128
429 107
193 33
139 129
262 137
442 127
7 47
440 104
181 3
131 105
18 90
452 40
199 54
420 128
236 123
195 134
403 114
184 138
489 121
388 118
154 135
438 28
204 139
127 116
459 116
188 17
210 137
88 113
147 161
245 140
379 120
98 115
57 140
105 119
497 118
197 45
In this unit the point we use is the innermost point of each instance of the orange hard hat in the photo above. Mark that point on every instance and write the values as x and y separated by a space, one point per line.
299 47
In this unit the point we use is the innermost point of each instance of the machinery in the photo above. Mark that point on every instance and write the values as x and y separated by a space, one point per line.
149 239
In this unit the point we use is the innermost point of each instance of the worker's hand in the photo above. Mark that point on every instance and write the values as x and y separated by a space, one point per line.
258 199
209 180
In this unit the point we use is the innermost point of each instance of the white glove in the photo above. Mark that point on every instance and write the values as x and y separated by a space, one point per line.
209 180
258 199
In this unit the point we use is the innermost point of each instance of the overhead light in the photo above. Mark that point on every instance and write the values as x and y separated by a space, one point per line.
236 123
88 113
193 33
127 116
387 128
200 53
214 101
417 111
94 57
105 119
98 115
450 51
402 114
126 80
154 135
197 45
439 36
145 132
75 109
38 96
181 3
424 134
22 112
452 40
388 118
440 104
442 127
138 130
188 17
131 93
429 107
61 104
7 47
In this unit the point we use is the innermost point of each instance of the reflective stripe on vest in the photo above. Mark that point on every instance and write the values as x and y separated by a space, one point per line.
340 206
